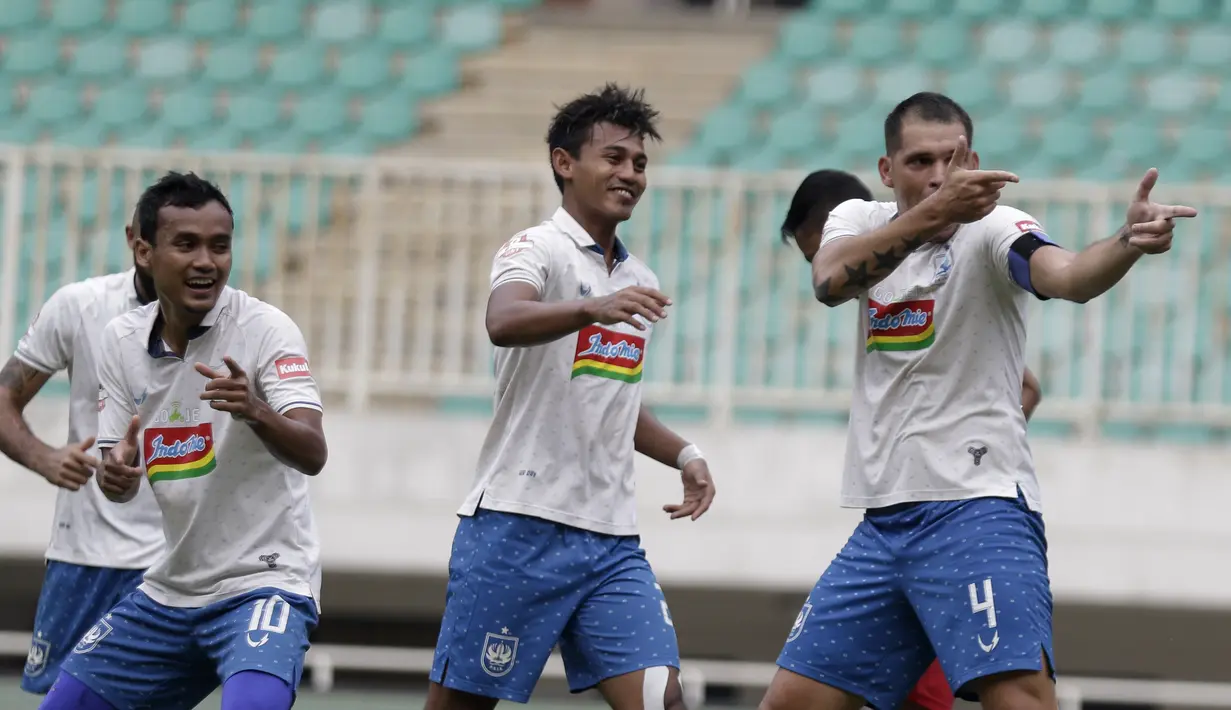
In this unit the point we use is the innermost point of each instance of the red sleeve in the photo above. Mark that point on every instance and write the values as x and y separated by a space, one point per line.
932 690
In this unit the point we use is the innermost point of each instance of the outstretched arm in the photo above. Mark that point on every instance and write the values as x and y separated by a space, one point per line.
652 438
18 384
1081 276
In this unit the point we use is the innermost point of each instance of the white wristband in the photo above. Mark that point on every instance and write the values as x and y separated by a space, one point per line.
687 455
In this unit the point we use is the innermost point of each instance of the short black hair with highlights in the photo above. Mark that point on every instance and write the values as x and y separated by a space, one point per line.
175 190
817 195
574 122
926 106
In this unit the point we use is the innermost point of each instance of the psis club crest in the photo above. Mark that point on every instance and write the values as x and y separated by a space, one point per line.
36 659
93 637
798 627
499 653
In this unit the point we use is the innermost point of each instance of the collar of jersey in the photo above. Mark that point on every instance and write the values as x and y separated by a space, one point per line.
581 238
155 346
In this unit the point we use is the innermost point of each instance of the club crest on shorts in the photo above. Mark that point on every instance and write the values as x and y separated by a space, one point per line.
96 634
36 659
798 628
499 653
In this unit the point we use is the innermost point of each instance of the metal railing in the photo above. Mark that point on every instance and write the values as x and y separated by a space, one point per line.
384 264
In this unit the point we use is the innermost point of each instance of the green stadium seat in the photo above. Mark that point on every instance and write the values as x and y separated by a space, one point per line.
280 142
1114 10
33 53
805 38
406 26
471 28
838 85
143 18
190 108
209 19
1000 140
1069 141
76 15
84 134
1203 143
102 56
275 20
922 10
341 20
795 131
943 42
91 201
895 84
8 95
1045 10
861 138
54 102
121 104
233 62
1106 92
365 68
760 159
1037 88
347 144
1209 47
20 14
432 73
845 8
1078 44
981 9
1181 11
220 139
321 114
253 111
1146 46
298 65
389 118
875 41
974 88
726 128
148 135
165 59
768 84
1174 92
1135 142
1012 42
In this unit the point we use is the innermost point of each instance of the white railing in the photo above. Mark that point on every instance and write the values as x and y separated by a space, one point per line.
323 661
384 264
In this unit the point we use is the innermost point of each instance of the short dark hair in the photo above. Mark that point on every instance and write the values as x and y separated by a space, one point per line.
175 190
574 122
926 106
819 193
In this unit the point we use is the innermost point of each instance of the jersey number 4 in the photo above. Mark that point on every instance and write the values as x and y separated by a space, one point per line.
269 616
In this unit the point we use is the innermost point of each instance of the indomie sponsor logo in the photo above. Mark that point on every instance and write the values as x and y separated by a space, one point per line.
605 353
179 452
908 325
289 367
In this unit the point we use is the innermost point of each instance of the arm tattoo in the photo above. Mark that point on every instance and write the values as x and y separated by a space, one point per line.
21 380
861 275
1125 234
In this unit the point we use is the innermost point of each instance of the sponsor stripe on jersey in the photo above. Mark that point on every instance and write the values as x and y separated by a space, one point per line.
177 453
606 353
908 325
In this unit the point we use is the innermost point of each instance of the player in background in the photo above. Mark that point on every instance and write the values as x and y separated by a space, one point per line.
547 549
815 198
950 559
97 551
206 394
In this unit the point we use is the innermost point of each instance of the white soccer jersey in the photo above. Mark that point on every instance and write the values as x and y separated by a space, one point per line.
560 446
89 529
236 518
936 412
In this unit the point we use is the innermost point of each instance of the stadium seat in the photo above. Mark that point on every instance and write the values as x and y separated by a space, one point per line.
1114 10
8 95
232 63
143 18
974 88
298 65
1208 47
895 84
190 108
1000 139
33 53
1181 11
1147 46
835 85
275 20
341 20
768 84
321 114
943 43
253 111
147 135
875 41
280 142
1203 143
805 39
1175 92
1135 142
1044 10
1078 44
726 128
388 118
218 139
845 8
121 104
431 73
365 68
1068 141
794 131
407 26
1012 42
103 56
1037 88
915 9
471 28
210 19
165 59
75 15
88 134
19 14
54 102
980 9
1105 92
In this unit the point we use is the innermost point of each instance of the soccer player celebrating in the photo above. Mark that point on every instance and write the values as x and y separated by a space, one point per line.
547 548
98 551
815 198
950 559
206 394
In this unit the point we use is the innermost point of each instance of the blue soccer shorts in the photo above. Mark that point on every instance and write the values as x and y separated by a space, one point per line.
518 585
72 599
963 581
144 655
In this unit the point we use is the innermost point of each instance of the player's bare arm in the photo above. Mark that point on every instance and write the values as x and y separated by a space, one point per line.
1032 393
120 475
652 438
296 438
1081 276
517 316
69 466
855 263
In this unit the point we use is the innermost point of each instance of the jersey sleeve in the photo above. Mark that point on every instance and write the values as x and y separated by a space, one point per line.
48 345
526 258
115 405
847 220
284 377
1012 238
